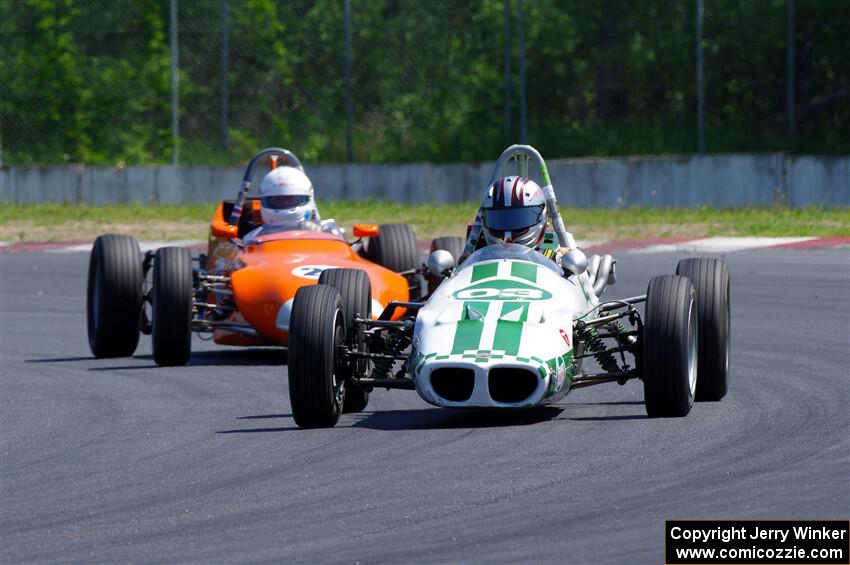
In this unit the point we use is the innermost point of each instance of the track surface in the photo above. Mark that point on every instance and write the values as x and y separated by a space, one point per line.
117 461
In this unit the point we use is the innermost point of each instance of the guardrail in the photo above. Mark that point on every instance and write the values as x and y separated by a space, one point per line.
732 180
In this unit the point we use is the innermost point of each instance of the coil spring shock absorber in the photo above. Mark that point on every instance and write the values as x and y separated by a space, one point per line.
396 343
594 344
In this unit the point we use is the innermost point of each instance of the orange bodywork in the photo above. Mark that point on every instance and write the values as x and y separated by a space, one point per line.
266 273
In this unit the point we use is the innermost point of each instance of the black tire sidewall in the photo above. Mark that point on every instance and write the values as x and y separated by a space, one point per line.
114 296
712 282
171 320
671 302
394 248
314 332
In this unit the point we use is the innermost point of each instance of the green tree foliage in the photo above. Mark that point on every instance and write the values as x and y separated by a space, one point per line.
89 80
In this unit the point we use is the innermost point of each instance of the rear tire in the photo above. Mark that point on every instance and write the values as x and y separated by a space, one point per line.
114 296
171 329
355 290
670 343
711 280
450 243
453 245
316 330
395 248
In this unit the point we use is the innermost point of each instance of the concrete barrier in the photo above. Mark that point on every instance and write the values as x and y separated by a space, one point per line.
664 181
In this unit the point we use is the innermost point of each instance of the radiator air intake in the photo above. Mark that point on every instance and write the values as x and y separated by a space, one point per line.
511 384
453 383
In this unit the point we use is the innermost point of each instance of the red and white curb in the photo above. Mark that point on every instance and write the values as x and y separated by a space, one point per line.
650 245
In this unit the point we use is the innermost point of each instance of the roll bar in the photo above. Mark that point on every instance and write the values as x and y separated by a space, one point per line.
276 152
522 154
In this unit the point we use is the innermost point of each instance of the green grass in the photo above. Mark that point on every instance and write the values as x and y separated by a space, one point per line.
42 222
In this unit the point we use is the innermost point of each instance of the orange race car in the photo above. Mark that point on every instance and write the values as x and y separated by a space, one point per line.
241 290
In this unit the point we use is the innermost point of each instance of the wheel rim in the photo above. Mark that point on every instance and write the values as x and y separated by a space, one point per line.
338 384
728 326
692 349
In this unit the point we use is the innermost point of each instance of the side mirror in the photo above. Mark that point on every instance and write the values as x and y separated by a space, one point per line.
439 262
224 230
574 261
366 230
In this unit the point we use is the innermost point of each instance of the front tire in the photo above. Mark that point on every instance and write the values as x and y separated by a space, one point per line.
171 329
316 330
355 289
670 338
711 280
114 296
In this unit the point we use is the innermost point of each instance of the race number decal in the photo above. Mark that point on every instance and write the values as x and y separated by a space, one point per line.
310 271
502 290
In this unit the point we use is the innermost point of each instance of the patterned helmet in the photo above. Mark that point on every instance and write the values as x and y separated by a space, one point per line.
514 211
286 198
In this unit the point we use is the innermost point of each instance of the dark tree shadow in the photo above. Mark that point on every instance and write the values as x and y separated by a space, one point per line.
258 430
60 359
255 356
448 418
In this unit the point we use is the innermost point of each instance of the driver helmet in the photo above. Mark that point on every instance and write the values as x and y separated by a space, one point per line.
514 211
286 198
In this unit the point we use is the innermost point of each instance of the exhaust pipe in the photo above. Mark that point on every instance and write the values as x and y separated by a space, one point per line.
593 267
605 273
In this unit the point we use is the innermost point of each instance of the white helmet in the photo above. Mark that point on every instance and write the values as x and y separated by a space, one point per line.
286 198
514 211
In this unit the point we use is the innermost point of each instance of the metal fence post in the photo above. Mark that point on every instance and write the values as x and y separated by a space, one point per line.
508 117
523 113
349 103
789 93
700 85
225 82
175 97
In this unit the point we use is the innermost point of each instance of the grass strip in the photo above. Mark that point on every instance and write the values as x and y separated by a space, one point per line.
62 222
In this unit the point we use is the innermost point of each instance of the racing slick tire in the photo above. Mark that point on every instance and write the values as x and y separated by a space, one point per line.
356 291
114 296
316 330
711 280
450 243
171 324
670 343
395 248
453 245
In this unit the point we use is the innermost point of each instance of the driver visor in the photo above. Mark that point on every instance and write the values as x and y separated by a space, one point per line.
284 201
512 219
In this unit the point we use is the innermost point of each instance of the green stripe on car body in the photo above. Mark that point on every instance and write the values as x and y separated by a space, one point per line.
486 271
527 271
509 333
468 332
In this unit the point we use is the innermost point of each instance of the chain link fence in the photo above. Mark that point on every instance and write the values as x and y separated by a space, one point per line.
90 81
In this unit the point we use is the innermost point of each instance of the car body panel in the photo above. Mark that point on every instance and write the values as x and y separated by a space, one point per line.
267 271
505 307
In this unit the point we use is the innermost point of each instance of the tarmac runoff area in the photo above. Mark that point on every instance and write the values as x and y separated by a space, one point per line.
119 461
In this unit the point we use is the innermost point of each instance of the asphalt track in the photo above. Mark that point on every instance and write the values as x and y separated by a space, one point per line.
120 461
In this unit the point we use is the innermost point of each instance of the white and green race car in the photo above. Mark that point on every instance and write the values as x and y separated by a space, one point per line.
510 328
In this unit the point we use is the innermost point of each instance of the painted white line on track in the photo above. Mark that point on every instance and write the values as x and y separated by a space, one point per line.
585 243
143 245
721 244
